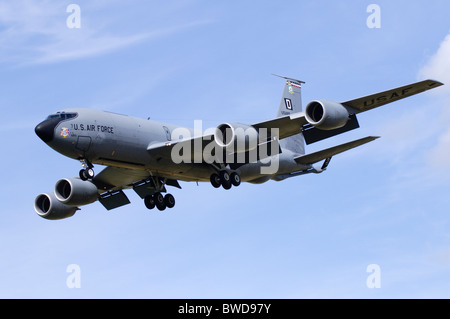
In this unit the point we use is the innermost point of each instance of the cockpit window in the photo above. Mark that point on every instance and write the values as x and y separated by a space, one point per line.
62 115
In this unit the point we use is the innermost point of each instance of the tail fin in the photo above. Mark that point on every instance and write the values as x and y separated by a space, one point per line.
291 102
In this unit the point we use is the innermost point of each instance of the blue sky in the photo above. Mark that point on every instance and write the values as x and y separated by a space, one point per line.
313 236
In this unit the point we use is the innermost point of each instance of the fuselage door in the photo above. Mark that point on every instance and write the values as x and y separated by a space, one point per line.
83 143
168 135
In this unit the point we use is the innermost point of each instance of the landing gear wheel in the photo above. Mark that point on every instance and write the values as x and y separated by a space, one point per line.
89 173
225 179
215 180
169 200
159 201
235 179
149 202
83 175
88 169
86 174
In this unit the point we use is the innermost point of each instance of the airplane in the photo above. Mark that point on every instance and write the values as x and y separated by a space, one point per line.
149 156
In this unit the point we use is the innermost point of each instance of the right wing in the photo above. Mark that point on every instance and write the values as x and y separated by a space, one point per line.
366 103
378 99
295 123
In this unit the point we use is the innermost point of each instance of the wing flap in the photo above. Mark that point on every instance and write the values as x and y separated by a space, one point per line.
313 134
111 200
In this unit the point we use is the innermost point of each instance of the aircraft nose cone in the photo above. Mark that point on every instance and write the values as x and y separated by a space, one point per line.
46 130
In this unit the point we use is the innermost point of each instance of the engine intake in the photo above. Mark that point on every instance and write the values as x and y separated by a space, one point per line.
326 115
236 137
48 207
75 192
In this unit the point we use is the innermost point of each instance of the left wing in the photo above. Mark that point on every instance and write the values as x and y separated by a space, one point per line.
117 178
112 180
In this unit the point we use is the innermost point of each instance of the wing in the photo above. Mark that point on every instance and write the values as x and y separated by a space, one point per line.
199 149
378 99
195 145
112 180
287 125
294 123
366 103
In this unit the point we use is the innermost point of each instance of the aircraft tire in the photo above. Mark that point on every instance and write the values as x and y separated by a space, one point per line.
86 174
161 207
89 173
215 180
169 200
235 179
159 201
83 175
149 202
225 179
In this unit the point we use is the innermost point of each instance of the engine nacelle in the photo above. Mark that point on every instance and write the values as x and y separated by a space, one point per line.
326 115
75 192
236 137
48 207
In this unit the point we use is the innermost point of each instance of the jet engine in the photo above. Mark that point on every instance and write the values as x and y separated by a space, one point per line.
75 192
326 115
48 207
236 137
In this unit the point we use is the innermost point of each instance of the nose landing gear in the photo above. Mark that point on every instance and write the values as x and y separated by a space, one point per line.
88 170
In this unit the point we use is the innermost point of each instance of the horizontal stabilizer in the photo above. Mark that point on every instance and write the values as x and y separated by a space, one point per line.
289 79
329 152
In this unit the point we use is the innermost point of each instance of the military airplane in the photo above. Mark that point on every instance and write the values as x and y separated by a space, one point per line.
149 156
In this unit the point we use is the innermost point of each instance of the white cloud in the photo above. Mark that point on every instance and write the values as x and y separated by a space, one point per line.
439 156
438 66
35 32
418 139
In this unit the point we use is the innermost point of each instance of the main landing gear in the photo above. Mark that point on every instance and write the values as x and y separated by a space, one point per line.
88 170
159 201
225 179
151 191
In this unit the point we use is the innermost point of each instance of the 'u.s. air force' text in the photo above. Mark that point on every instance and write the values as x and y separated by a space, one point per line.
239 308
92 128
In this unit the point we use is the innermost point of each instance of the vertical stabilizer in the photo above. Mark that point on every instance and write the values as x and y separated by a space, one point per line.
291 102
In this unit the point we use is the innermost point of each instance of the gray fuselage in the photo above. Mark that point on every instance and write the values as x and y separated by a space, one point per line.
118 140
